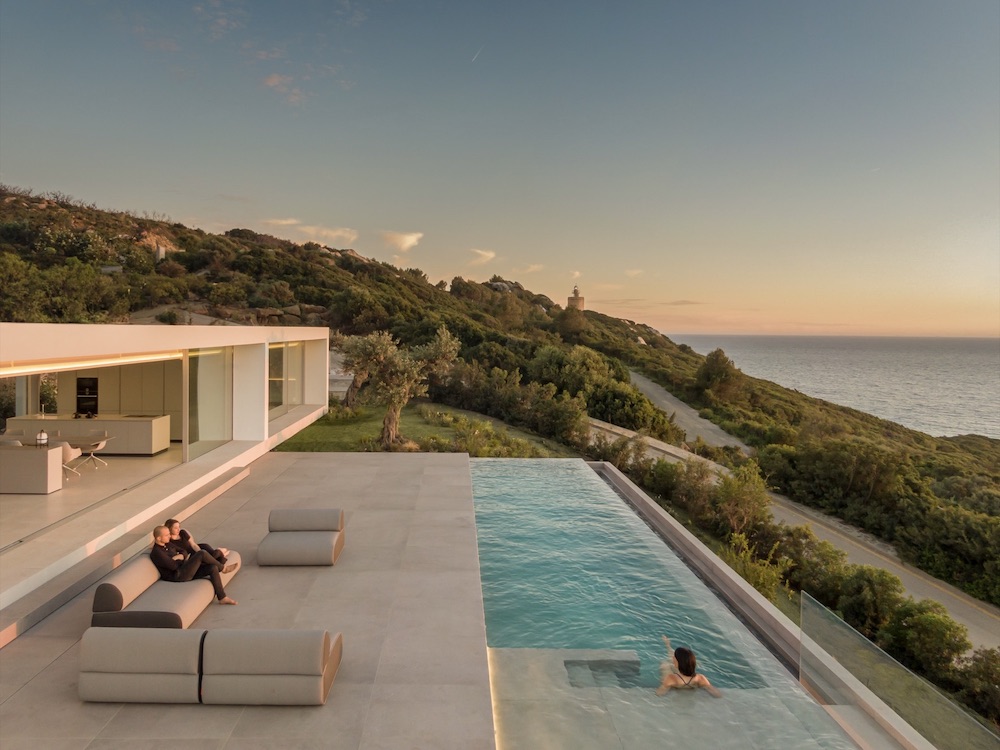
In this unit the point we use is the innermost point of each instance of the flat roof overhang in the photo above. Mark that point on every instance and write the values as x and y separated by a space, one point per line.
31 348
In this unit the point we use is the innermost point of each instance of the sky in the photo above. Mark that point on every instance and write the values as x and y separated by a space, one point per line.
758 167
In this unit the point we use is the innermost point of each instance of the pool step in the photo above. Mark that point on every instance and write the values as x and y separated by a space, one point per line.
603 672
541 673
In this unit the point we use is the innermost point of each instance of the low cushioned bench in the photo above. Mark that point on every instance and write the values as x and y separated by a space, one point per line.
140 665
270 667
221 667
134 596
302 536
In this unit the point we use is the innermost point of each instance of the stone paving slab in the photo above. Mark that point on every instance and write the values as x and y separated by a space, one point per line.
405 594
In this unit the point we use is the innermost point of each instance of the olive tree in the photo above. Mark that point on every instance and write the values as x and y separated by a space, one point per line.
395 375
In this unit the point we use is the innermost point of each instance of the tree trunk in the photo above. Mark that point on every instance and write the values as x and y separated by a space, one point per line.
390 426
351 397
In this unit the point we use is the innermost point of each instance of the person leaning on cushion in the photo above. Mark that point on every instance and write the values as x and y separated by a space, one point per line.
176 565
183 538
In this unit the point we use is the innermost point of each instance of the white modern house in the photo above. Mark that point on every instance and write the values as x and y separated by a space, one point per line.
188 374
177 411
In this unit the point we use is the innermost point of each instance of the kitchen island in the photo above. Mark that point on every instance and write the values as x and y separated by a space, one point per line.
134 434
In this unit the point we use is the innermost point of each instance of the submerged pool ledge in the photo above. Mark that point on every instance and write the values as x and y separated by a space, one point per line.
878 727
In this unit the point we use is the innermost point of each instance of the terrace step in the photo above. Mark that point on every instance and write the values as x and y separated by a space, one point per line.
93 558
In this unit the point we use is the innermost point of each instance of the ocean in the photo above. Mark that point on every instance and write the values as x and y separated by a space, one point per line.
941 386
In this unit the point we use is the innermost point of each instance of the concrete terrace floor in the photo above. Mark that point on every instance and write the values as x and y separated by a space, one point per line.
406 594
416 672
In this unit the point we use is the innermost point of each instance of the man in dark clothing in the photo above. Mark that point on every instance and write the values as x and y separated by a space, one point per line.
176 565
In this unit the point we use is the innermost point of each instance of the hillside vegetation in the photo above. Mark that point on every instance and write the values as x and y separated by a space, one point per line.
524 360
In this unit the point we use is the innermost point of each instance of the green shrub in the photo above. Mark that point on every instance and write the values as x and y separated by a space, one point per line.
763 573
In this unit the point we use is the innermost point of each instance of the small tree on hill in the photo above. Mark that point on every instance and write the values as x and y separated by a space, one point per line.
740 500
924 637
719 378
869 597
395 375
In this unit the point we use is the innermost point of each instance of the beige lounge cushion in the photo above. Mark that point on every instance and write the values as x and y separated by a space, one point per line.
269 667
160 604
300 548
121 587
305 519
140 665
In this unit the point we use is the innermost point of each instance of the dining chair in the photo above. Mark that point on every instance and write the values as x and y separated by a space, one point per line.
100 441
69 453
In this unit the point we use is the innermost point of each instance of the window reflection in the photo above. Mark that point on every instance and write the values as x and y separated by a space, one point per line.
210 413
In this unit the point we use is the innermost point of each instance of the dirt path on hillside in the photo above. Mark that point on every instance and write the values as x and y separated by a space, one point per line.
982 619
684 416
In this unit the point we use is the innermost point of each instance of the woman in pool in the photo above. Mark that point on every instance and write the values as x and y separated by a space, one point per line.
183 538
681 673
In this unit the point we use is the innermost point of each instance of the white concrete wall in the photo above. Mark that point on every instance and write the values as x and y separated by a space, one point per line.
250 392
317 372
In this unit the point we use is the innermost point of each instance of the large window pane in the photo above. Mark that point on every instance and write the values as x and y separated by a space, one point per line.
210 403
285 388
276 379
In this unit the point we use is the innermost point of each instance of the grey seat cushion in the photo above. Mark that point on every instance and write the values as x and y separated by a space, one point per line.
140 665
300 548
269 667
305 519
223 667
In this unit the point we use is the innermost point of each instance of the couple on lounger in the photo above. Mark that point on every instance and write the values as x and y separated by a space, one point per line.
178 558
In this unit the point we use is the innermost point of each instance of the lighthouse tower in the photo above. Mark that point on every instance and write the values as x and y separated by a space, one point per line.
576 300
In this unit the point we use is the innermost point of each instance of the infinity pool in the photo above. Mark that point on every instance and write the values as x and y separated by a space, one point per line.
573 577
567 564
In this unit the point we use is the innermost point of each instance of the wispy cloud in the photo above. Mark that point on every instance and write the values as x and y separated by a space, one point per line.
681 303
532 268
633 272
622 301
482 257
575 275
284 85
261 53
153 40
340 235
220 16
232 198
402 242
353 13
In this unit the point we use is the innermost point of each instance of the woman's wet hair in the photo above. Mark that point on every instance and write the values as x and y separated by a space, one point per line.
686 661
169 523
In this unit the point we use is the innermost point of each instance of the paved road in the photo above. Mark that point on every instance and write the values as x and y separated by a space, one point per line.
982 619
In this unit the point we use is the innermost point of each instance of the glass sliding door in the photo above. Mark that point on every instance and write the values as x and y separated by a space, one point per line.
210 399
285 368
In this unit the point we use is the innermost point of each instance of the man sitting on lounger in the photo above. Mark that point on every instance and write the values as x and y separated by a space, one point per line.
176 565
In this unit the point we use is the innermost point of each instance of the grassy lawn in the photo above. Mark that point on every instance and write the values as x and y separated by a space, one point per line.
339 434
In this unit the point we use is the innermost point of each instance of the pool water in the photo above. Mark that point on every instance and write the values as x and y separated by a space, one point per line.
566 564
577 592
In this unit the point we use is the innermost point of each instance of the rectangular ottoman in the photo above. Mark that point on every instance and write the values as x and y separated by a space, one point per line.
140 665
302 536
270 667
